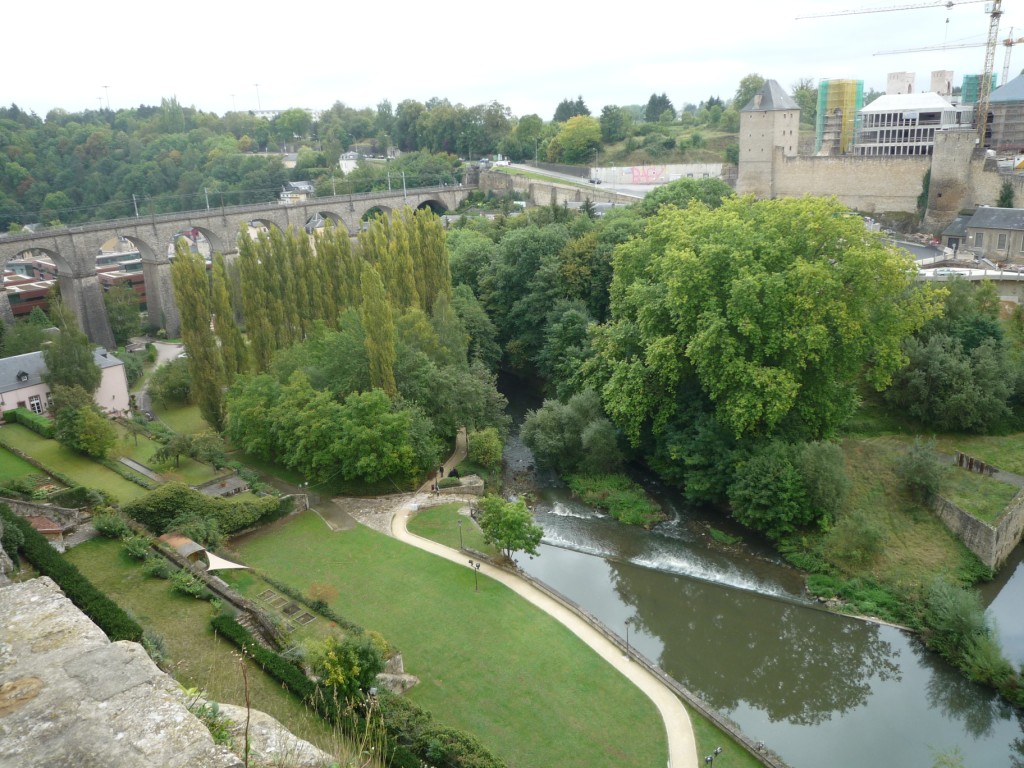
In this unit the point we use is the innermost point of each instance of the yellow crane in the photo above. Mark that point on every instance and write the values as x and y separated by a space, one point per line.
994 8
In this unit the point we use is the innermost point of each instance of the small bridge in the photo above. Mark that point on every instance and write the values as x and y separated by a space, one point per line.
74 249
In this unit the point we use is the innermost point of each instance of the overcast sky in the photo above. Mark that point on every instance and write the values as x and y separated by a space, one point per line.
527 54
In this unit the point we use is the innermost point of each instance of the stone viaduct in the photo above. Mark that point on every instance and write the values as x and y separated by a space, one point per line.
74 249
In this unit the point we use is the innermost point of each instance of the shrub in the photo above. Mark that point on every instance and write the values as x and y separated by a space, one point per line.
188 583
856 539
768 492
79 496
158 567
440 745
137 546
111 525
155 647
920 471
449 482
38 424
117 624
486 447
624 500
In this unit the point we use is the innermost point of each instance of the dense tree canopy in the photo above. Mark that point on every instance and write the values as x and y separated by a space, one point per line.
770 310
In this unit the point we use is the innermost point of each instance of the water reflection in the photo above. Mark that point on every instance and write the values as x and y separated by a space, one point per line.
795 663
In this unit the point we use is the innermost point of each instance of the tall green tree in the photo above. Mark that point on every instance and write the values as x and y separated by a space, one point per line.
747 88
567 108
69 359
232 345
656 107
206 367
615 123
379 329
771 312
509 526
122 305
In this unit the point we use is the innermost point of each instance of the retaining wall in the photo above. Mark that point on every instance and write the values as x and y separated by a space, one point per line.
991 543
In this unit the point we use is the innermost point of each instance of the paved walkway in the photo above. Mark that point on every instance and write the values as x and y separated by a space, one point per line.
682 747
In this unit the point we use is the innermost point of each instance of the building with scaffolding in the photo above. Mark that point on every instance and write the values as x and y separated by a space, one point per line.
905 124
1007 107
972 86
839 105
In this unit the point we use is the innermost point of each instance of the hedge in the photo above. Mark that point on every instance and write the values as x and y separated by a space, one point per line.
172 504
107 614
38 424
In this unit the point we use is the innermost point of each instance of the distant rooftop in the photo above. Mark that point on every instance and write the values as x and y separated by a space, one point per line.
770 98
1012 91
908 102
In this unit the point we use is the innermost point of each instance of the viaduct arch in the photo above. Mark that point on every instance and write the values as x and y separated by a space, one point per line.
74 249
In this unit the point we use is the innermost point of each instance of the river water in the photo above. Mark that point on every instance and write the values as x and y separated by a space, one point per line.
735 627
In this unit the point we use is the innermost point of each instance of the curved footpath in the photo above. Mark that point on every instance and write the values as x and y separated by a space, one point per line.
682 747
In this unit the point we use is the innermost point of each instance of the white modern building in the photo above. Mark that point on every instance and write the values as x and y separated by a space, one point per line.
905 124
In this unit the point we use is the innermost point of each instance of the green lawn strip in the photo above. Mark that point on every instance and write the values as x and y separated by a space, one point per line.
250 585
983 497
1002 451
190 472
79 468
441 524
709 737
184 419
489 662
13 467
198 658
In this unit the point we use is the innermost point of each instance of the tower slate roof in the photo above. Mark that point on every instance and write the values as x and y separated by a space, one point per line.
1012 91
771 98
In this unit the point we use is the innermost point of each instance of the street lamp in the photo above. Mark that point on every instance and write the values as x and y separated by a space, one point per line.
476 575
710 759
627 639
460 534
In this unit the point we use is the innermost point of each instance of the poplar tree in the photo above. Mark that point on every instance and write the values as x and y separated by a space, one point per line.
255 302
232 345
379 329
192 294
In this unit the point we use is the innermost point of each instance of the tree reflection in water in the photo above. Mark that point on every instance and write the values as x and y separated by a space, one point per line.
798 664
975 707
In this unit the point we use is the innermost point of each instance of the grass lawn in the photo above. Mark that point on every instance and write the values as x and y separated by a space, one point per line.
1003 451
76 466
197 657
184 419
441 524
142 449
489 662
984 497
13 467
916 545
250 585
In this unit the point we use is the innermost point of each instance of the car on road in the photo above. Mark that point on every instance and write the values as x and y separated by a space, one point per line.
594 181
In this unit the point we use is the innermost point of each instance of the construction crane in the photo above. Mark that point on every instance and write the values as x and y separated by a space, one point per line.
912 7
995 12
1008 42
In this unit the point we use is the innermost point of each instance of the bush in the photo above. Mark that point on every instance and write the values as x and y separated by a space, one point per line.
188 583
440 745
920 471
158 567
78 496
38 424
111 525
624 500
137 546
486 447
856 539
117 624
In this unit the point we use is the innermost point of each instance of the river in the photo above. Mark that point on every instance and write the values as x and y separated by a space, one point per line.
736 628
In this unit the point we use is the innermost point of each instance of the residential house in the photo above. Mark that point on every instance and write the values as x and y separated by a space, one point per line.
22 385
996 234
297 192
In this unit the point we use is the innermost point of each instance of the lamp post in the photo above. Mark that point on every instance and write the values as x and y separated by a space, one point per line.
460 534
627 639
475 567
710 759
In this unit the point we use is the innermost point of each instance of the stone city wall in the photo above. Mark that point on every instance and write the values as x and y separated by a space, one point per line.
866 184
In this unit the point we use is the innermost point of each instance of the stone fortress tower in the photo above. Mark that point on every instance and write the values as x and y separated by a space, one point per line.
769 122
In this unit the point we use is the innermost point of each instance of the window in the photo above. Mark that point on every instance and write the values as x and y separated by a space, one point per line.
979 239
1001 241
35 404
